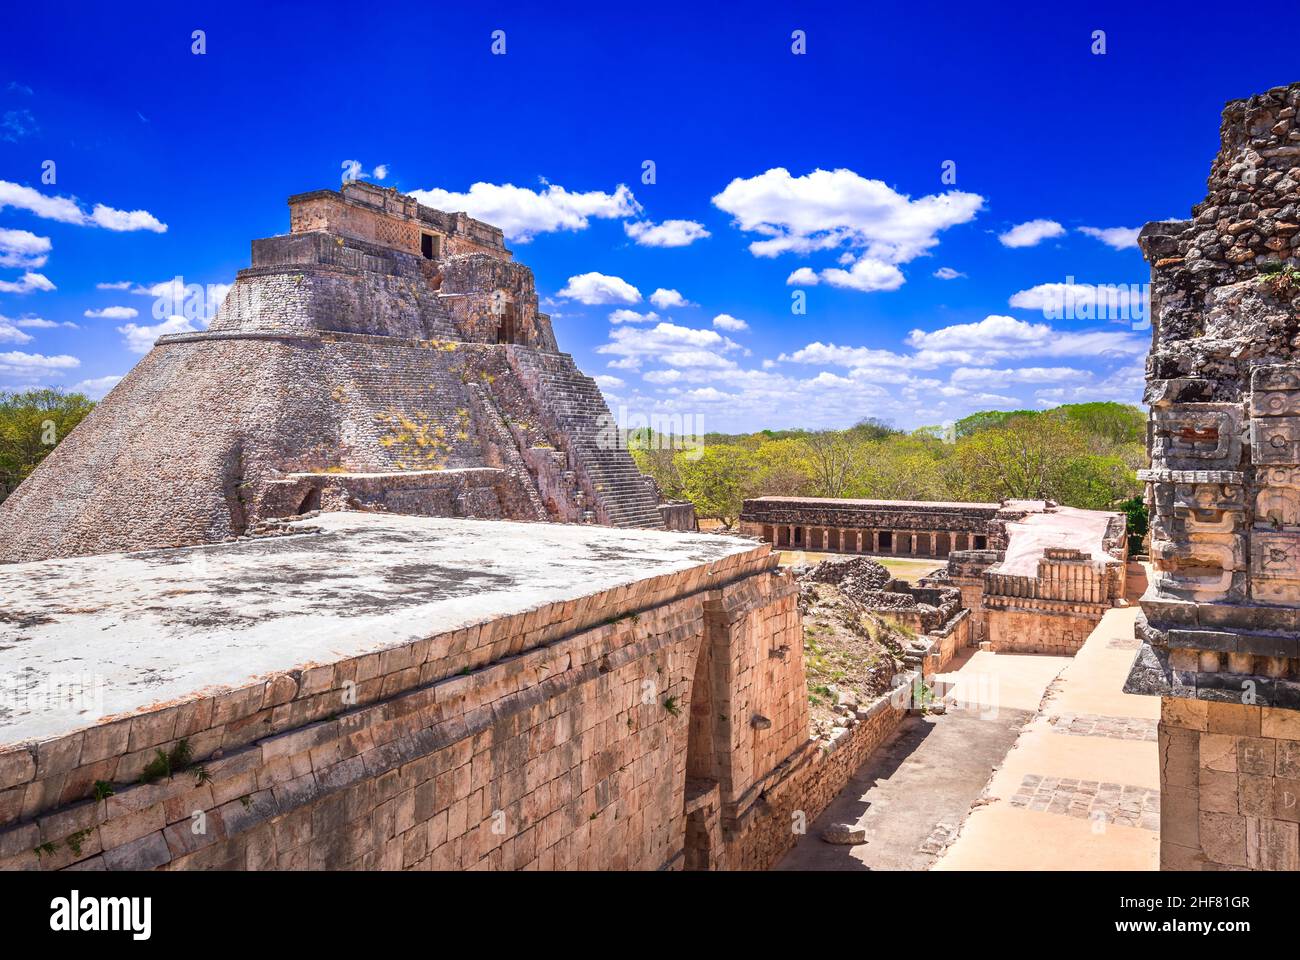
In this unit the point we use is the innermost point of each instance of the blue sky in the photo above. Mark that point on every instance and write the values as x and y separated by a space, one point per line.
774 173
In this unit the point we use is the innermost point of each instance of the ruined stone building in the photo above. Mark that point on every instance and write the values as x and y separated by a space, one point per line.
1036 576
1220 628
382 355
374 680
899 527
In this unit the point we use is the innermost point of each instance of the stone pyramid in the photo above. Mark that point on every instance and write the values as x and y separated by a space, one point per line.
383 356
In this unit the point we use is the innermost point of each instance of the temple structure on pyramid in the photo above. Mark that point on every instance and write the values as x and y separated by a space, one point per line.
381 356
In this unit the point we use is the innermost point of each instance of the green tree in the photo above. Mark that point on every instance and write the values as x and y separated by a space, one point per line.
1023 459
656 456
782 468
716 479
32 423
834 462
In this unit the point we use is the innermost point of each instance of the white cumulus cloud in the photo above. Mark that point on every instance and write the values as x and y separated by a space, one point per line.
1083 300
113 313
27 283
9 331
356 170
26 364
828 209
998 337
140 339
97 387
1031 233
668 299
669 233
624 315
669 343
21 248
68 210
523 213
595 289
1120 238
725 321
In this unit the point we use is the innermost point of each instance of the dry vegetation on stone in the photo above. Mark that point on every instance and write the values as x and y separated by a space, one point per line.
847 651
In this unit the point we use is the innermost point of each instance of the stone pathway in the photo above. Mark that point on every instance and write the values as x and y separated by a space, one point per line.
1040 763
1080 789
913 793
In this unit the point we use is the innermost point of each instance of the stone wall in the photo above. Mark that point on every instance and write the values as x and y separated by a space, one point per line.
565 737
907 528
965 571
385 217
1054 611
1220 628
1229 786
810 780
678 515
1033 627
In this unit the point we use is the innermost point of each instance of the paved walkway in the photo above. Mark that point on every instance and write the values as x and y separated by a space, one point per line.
913 793
1041 763
1080 790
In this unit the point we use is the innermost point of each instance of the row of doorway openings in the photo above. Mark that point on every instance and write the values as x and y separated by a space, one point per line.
918 544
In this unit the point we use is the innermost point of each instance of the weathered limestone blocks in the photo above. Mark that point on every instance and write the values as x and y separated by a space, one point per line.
377 343
609 731
1230 786
1220 628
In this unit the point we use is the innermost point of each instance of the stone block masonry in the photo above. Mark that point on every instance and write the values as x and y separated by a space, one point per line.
1220 625
905 528
376 344
1036 576
434 698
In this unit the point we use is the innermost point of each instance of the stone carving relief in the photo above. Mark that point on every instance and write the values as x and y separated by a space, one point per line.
1275 567
1197 538
1196 436
1275 414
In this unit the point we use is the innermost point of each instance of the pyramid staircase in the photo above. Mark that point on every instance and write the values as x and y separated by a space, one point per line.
572 401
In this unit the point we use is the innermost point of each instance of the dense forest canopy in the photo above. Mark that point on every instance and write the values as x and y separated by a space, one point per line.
1084 455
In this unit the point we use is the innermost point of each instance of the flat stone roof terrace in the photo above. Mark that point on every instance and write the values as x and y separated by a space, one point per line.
1063 527
155 626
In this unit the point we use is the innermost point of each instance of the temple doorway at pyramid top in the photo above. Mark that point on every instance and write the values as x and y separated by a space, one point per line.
382 216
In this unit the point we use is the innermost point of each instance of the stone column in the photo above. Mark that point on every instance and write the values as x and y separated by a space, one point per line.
894 541
1245 480
934 544
875 541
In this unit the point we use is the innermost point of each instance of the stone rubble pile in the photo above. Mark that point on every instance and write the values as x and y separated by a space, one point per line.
857 577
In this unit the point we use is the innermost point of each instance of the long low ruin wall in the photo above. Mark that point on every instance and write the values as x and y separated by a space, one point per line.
901 527
815 777
559 738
